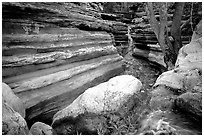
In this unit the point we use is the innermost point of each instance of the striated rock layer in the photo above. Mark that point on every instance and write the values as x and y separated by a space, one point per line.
48 64
62 71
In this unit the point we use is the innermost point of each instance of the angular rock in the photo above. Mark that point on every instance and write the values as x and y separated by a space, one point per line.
113 96
12 122
40 128
12 100
190 103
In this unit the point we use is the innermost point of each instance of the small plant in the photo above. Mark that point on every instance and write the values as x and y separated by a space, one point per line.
27 29
36 29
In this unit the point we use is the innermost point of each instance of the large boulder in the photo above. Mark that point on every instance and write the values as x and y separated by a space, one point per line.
12 122
12 100
40 128
114 96
180 80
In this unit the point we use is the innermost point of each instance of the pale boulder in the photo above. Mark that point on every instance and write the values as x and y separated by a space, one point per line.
111 95
118 95
170 79
105 97
40 128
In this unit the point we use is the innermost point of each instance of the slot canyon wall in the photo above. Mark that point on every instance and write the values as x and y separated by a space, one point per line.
52 52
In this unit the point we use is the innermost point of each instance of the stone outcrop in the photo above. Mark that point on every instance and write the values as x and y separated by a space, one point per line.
12 100
114 96
40 128
178 89
48 61
12 122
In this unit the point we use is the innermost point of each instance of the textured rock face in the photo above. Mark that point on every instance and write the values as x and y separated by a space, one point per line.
40 128
180 89
12 122
12 100
190 103
186 77
188 67
190 57
113 96
47 61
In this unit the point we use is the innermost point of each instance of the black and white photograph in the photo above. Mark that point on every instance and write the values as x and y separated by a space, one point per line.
101 67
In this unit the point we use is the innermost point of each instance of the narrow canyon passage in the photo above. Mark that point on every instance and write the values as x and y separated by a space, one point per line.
98 68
